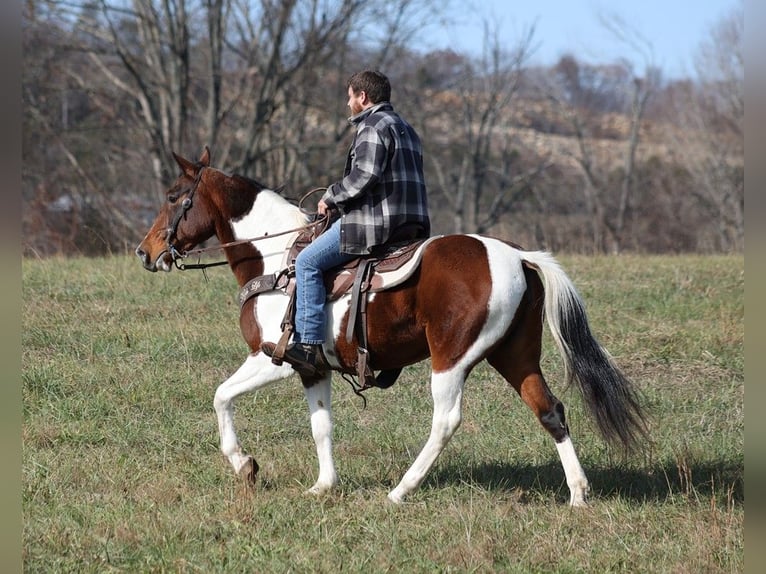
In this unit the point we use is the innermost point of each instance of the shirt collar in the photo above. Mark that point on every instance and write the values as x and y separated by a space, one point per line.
364 113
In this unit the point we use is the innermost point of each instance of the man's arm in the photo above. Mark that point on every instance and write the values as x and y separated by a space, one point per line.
371 160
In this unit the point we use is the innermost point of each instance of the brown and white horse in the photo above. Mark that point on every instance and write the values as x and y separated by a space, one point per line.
473 298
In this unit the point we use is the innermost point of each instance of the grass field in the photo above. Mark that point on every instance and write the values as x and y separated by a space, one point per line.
121 468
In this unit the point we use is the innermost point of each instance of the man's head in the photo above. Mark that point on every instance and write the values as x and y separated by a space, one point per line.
365 89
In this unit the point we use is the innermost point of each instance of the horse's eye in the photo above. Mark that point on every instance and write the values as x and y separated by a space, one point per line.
172 198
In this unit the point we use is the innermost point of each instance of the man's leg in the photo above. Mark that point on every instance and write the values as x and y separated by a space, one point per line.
320 255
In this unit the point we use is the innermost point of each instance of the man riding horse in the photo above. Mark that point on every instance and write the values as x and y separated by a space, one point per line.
383 189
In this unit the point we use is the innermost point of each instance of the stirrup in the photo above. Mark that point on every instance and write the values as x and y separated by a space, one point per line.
277 356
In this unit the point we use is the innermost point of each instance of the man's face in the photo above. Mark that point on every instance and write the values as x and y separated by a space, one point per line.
356 101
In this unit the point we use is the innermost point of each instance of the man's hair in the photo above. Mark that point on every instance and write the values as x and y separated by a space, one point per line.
373 83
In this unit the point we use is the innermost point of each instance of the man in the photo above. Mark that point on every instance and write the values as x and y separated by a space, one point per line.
382 189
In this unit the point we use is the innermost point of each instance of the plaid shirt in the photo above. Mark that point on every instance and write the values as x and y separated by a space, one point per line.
383 185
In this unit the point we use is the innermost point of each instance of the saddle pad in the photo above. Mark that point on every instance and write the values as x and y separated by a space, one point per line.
381 279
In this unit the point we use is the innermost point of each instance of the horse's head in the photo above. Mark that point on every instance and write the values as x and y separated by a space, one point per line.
184 220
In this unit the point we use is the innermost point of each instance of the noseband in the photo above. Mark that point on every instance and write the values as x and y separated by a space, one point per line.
186 205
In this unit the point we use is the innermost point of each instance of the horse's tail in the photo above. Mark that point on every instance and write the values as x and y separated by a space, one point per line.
609 395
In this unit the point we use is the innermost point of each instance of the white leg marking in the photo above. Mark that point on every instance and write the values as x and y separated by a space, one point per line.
576 480
508 286
447 393
319 399
255 373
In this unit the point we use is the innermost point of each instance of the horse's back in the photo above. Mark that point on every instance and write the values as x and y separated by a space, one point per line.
462 298
476 260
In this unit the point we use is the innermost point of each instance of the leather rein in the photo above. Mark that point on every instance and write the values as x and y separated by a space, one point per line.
186 205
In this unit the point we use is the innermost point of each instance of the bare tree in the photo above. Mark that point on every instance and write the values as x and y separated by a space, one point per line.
261 82
191 83
478 173
64 144
110 87
710 141
250 70
606 188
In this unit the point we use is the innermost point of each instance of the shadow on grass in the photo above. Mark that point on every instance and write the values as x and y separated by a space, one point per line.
723 480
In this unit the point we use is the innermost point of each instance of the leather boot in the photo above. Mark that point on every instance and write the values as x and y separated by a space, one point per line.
307 360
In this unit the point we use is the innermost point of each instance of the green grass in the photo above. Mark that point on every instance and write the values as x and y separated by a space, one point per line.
121 468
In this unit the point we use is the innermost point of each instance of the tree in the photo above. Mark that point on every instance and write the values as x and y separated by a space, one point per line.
577 92
711 116
237 75
111 87
64 142
479 173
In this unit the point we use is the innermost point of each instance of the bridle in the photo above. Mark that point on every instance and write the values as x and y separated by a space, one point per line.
178 256
186 205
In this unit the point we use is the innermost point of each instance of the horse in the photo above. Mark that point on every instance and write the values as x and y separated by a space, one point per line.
472 298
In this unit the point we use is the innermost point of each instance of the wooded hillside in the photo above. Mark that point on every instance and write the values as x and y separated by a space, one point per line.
574 157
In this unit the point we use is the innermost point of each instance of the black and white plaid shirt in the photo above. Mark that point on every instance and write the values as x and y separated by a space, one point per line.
383 185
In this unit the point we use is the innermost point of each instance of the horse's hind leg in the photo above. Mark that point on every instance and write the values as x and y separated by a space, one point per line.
447 393
550 412
518 360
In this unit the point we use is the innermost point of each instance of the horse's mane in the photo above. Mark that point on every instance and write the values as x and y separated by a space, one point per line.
301 217
249 181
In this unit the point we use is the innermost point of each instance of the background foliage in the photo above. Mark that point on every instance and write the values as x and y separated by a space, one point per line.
579 157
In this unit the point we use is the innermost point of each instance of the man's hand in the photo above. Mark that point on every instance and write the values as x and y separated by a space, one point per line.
322 207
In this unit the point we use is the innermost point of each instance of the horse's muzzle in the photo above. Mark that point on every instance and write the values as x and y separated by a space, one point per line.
150 265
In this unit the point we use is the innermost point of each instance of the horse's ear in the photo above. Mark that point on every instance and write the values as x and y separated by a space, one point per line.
186 166
205 157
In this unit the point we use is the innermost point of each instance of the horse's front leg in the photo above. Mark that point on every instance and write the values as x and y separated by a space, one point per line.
255 373
447 393
319 397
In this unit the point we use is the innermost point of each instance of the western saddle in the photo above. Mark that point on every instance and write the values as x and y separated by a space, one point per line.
388 265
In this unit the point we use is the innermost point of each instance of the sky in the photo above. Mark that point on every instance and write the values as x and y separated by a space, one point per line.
669 32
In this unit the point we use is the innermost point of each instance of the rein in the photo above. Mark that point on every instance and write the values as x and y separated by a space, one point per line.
178 257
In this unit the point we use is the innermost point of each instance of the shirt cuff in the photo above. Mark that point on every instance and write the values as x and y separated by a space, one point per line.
329 197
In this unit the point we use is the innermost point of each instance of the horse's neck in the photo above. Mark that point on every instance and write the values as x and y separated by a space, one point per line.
270 215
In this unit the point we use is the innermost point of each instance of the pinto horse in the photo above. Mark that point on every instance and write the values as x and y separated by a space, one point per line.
472 298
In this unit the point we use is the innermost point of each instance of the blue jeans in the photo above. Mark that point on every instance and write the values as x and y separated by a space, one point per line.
320 255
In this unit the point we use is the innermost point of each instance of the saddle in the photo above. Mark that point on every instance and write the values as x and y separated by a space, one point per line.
387 266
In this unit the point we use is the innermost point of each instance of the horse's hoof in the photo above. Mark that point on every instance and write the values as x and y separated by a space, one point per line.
579 496
317 490
578 501
248 472
394 498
